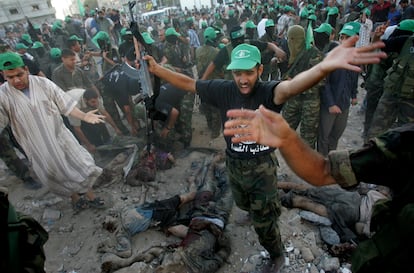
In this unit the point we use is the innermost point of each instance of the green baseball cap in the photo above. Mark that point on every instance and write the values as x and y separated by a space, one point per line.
171 31
407 24
324 28
147 38
231 12
20 46
75 38
366 11
210 33
27 38
333 10
237 33
304 13
101 35
37 44
312 17
57 25
244 57
204 24
269 23
55 52
350 29
125 31
250 24
10 60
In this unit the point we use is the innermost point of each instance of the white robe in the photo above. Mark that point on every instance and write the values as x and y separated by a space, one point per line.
57 158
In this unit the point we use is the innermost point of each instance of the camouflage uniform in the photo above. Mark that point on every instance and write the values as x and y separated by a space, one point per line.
176 58
204 56
304 108
184 125
374 85
397 102
254 187
386 160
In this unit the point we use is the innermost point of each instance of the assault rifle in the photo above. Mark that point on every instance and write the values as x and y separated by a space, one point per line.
149 91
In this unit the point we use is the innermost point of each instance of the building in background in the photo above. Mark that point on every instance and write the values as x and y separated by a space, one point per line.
16 11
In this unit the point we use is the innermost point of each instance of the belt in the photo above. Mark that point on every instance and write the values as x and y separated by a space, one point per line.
265 158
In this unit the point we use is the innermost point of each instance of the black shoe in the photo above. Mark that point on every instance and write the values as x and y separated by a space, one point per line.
31 184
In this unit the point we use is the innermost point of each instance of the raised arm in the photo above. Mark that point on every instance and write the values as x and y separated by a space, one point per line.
344 56
179 80
269 128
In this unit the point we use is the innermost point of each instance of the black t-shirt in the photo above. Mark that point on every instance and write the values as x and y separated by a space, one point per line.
225 95
124 48
32 66
168 98
119 86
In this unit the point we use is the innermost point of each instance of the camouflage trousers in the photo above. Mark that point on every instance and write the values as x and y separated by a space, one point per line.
373 96
391 110
254 187
213 118
184 122
9 156
304 109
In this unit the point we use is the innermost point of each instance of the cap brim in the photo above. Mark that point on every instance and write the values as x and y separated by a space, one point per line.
241 65
348 32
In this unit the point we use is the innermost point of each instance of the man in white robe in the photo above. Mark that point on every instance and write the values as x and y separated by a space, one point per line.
33 106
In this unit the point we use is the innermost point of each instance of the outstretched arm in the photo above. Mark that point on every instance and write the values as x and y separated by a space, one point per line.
179 80
344 56
269 128
89 117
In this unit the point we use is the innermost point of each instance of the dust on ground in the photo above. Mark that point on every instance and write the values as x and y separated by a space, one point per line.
73 241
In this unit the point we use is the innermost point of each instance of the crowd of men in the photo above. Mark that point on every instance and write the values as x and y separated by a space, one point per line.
85 58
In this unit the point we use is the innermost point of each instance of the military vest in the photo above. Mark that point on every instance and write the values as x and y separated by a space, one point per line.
400 77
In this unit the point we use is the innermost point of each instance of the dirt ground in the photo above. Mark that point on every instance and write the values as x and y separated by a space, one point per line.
74 238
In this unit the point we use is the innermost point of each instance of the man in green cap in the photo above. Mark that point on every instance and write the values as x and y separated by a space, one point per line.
338 94
84 58
287 19
204 55
252 167
110 54
127 42
41 55
269 61
55 55
33 106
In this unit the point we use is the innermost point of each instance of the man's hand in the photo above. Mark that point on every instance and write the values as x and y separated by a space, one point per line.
346 56
334 110
91 117
262 126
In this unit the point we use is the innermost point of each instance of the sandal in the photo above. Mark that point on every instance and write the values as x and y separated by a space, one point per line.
81 204
97 203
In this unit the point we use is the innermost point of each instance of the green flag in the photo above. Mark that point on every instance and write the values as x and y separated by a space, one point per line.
309 36
81 8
